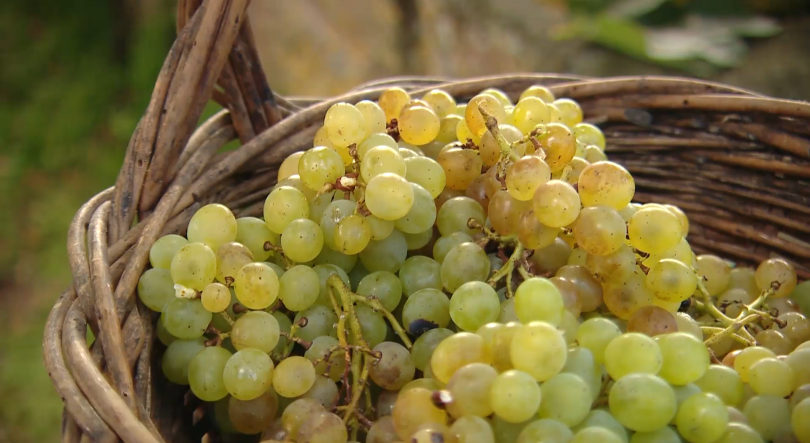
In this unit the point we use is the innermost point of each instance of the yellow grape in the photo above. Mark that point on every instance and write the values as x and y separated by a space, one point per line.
524 176
505 211
283 205
373 116
389 196
374 140
747 357
392 100
379 160
456 351
321 139
418 125
461 167
256 286
344 124
215 297
289 166
293 376
490 150
570 112
213 225
319 166
472 116
588 134
593 154
715 273
623 299
427 173
681 252
606 184
352 234
779 271
447 128
413 409
681 217
530 112
744 278
533 234
440 101
538 349
654 230
573 170
540 92
600 230
559 145
556 204
500 95
613 267
671 280
464 134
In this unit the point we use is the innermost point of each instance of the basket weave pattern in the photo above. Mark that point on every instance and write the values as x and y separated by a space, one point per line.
736 162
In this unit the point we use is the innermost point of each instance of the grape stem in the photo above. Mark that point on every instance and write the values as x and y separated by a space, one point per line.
228 319
290 344
750 314
375 304
507 270
492 126
271 247
305 343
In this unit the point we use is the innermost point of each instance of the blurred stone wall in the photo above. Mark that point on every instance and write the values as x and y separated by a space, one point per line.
322 47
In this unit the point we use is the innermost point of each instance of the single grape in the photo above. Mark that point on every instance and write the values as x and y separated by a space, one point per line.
445 243
426 173
385 255
588 134
747 357
380 229
418 125
320 165
163 250
297 412
320 321
556 204
545 430
373 116
777 273
464 263
392 100
473 117
248 374
352 234
389 196
473 305
559 145
770 376
194 266
383 285
533 234
773 340
632 353
461 167
768 415
654 230
671 280
538 91
715 272
470 390
456 351
323 427
538 349
537 299
600 230
566 398
374 140
419 241
440 101
596 334
379 160
302 240
231 257
205 373
702 418
514 396
454 215
464 134
213 225
256 286
623 299
332 215
652 321
529 112
420 272
422 214
642 402
505 212
800 418
413 409
156 288
185 319
423 347
293 376
254 233
472 429
253 416
344 124
282 206
686 359
394 368
382 431
606 184
177 358
289 166
256 329
299 288
570 112
589 291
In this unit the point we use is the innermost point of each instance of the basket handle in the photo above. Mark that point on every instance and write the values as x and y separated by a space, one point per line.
214 46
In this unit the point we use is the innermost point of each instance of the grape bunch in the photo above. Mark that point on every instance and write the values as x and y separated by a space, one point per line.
434 271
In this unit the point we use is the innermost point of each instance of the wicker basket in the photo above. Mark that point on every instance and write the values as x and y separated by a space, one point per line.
738 163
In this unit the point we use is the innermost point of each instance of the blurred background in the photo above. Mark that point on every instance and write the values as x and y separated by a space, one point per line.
77 74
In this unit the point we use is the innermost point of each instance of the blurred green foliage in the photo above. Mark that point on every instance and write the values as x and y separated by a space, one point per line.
74 81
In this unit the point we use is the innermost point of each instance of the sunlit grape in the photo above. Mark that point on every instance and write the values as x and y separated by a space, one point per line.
213 225
671 280
599 230
778 271
320 165
515 396
205 373
413 409
373 117
456 351
642 402
654 230
556 204
461 167
344 124
529 112
538 349
570 112
490 149
473 305
464 263
504 212
163 250
472 116
715 272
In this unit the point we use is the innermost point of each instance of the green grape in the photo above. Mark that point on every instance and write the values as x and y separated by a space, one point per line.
770 376
546 431
318 350
418 125
654 230
324 272
418 241
322 427
454 214
383 285
472 429
380 229
374 140
538 349
248 374
568 326
178 356
255 329
296 182
381 159
382 431
424 310
213 225
206 373
776 270
533 234
556 204
276 268
352 234
283 205
302 240
589 291
456 351
413 409
592 154
595 435
736 416
344 124
799 361
318 204
421 215
800 418
389 196
515 396
297 412
256 286
723 382
293 376
163 335
254 233
768 415
570 112
702 418
642 402
671 280
632 353
588 134
194 266
253 416
334 213
385 255
686 359
506 432
797 328
156 288
600 418
490 150
185 319
324 390
320 320
580 362
600 230
663 435
423 347
319 166
409 152
464 263
688 325
473 305
537 299
473 118
470 389
628 211
231 257
394 368
566 398
163 250
373 116
595 334
747 357
289 166
426 173
447 242
739 433
529 112
801 295
623 299
372 326
299 288
420 272
392 100
284 324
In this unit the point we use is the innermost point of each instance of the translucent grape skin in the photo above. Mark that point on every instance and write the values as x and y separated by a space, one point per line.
389 196
332 215
606 184
156 288
595 435
470 390
185 319
318 166
505 211
177 358
248 374
595 334
194 266
205 373
532 233
344 124
670 280
599 230
747 357
213 224
702 418
422 214
298 412
632 353
545 430
418 125
538 349
392 100
427 173
163 250
319 322
473 117
601 418
525 175
283 205
589 290
293 376
256 286
723 382
515 396
231 257
384 285
414 408
464 263
473 305
776 270
529 112
352 234
566 398
420 272
556 204
768 415
424 310
537 299
642 402
302 240
461 167
770 376
255 329
686 358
